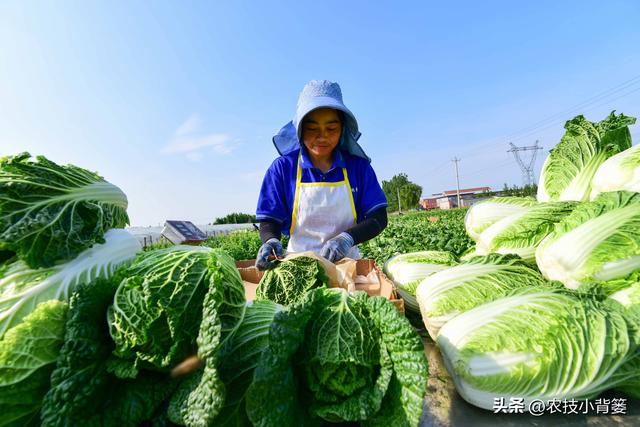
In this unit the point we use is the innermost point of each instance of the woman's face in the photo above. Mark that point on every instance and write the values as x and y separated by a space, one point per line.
321 130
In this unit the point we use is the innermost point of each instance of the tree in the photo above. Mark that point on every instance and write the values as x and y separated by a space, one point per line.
236 218
409 192
527 190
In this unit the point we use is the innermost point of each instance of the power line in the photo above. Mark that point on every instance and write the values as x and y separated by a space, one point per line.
591 100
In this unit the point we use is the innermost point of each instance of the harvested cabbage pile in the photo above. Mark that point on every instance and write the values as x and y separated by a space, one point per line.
521 233
448 293
408 270
568 170
599 240
484 214
539 344
291 279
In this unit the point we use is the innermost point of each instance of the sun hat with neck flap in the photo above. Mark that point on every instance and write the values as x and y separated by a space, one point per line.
320 94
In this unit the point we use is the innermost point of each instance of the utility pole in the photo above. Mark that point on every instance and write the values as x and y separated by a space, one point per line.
399 207
528 177
456 160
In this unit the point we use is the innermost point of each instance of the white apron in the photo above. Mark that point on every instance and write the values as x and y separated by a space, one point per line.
321 211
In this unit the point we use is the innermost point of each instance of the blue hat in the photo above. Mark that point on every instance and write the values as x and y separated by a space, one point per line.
320 94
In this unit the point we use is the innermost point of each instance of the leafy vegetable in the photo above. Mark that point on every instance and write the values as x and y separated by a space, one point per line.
28 353
444 295
408 270
438 230
538 344
240 357
620 172
201 397
291 279
522 232
83 392
568 170
23 288
157 309
51 213
339 357
599 240
484 214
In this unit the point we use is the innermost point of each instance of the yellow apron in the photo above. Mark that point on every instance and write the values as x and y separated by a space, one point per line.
321 211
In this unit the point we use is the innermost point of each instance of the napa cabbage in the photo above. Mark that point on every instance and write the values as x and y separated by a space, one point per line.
157 309
290 279
568 170
50 213
522 232
448 293
539 344
598 241
620 172
28 354
337 356
483 214
408 270
23 288
83 391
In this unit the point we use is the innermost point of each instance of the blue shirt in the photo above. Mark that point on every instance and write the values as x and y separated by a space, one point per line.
275 202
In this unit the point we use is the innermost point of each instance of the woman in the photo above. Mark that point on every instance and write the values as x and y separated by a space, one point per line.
323 193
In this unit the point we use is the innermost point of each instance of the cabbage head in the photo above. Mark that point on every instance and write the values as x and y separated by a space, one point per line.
539 344
521 233
483 214
444 295
23 288
337 357
50 213
568 170
620 172
408 270
290 279
598 241
157 310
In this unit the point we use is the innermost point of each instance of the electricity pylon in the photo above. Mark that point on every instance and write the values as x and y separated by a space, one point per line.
528 177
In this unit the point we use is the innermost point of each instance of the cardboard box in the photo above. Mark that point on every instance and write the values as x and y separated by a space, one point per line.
251 277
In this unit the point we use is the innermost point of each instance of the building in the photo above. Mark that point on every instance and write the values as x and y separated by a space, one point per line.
449 199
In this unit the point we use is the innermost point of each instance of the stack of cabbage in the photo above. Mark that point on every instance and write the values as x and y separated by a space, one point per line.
548 304
60 227
95 332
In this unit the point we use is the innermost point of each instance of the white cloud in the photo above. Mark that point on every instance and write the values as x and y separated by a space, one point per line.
189 140
191 125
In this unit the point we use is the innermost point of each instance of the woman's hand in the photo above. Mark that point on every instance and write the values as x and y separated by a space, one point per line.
337 248
268 248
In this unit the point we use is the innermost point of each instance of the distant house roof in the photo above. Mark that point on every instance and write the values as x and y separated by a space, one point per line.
464 191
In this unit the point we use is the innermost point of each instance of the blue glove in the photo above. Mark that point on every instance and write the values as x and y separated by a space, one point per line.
269 247
337 248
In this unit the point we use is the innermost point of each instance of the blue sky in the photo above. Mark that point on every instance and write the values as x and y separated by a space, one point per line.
176 102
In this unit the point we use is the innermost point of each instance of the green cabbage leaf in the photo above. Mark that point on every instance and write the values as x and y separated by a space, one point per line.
28 354
571 165
448 293
23 288
482 215
598 241
539 344
50 213
339 357
521 233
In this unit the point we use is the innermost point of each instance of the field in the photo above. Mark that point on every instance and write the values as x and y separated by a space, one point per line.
415 231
